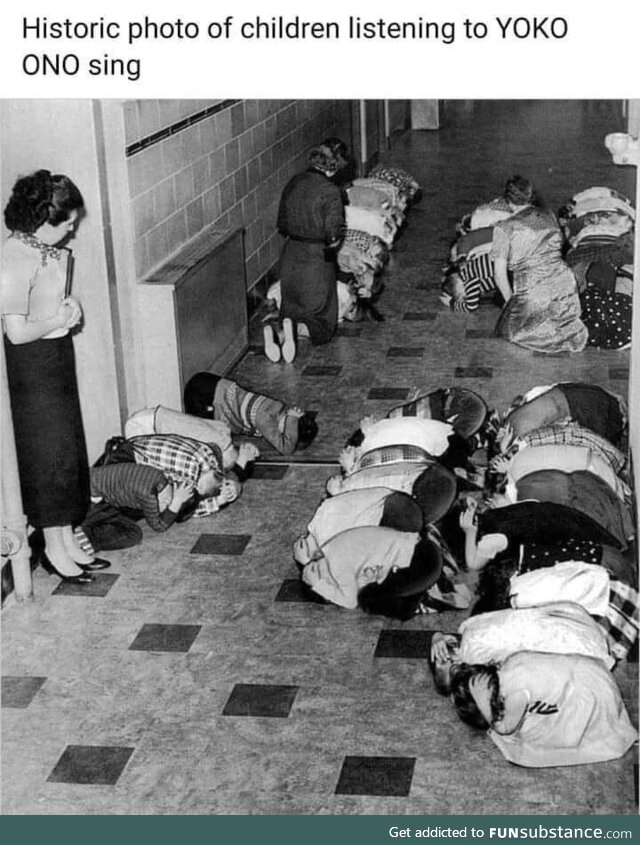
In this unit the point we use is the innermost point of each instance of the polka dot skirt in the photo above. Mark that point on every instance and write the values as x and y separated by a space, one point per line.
607 316
539 555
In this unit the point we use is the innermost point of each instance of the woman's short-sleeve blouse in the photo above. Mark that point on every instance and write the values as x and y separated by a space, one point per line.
18 269
30 280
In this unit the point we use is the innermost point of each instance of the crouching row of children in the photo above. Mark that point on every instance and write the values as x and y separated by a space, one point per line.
539 517
170 465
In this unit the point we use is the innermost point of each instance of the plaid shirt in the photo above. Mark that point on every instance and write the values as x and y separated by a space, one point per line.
622 619
572 434
181 459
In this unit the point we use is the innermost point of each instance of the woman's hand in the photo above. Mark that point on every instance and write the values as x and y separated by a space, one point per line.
70 312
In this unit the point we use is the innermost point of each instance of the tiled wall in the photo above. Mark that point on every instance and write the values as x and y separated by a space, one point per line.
192 163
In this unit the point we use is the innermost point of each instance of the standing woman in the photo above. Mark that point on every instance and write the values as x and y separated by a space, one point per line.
42 212
542 312
311 217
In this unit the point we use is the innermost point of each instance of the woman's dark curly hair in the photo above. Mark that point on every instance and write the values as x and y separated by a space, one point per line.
463 700
42 197
518 190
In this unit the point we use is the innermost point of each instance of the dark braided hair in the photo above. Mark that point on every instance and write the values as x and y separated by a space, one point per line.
41 197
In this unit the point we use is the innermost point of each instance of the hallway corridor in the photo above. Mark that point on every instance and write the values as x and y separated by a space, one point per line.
193 678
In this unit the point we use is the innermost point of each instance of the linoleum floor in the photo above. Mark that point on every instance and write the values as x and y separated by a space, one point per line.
194 679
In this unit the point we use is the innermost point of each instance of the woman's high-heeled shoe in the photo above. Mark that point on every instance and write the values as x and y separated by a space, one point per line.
94 565
82 578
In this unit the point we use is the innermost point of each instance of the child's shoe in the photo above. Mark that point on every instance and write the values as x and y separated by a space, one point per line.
289 342
271 348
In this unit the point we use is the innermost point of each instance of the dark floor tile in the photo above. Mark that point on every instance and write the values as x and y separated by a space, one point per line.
260 700
490 304
388 393
18 691
157 637
478 333
349 331
322 370
473 372
405 352
420 316
618 373
376 776
91 764
220 544
411 644
293 590
98 588
269 472
552 354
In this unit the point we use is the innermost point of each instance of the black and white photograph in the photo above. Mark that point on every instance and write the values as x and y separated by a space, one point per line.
318 452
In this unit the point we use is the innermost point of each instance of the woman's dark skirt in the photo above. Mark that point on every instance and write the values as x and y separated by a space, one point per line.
308 284
50 442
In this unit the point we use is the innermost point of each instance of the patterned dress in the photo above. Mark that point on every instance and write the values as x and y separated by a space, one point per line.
544 312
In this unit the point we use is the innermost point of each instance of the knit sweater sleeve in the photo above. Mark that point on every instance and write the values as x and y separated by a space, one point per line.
157 520
136 486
